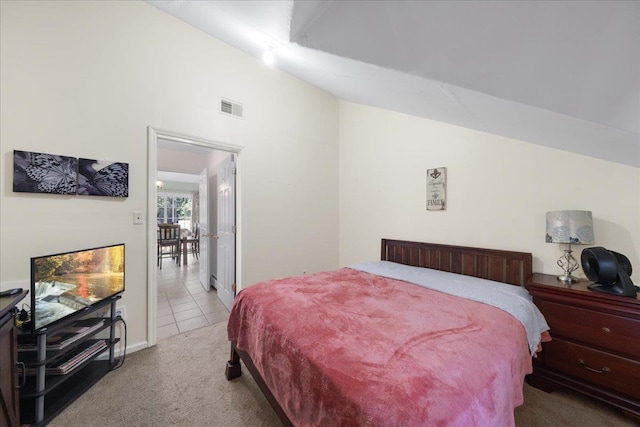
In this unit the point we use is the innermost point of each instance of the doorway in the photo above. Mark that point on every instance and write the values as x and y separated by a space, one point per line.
182 156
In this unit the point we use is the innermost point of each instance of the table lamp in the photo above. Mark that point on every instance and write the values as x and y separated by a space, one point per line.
570 227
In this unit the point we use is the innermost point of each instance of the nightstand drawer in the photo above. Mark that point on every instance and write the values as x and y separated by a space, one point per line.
597 367
615 333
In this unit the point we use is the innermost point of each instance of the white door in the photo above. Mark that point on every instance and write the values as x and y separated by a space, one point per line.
226 231
203 189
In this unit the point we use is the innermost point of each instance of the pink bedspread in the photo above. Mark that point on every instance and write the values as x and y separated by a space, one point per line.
348 348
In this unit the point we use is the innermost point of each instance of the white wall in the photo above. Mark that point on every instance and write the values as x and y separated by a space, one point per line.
499 189
174 160
86 79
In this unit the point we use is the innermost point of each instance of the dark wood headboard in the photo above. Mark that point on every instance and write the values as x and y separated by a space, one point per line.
501 266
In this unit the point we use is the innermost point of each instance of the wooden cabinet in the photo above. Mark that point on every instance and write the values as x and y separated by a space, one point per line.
9 403
595 347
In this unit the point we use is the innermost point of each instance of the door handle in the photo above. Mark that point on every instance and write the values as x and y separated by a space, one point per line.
213 236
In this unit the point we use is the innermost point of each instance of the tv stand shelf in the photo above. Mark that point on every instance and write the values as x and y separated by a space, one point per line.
68 391
48 387
30 357
55 380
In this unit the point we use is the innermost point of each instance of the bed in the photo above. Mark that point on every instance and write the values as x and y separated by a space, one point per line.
396 342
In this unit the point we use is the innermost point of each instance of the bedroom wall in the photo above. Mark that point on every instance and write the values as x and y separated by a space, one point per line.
88 78
499 189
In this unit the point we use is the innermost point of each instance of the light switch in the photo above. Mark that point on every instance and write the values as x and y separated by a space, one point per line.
138 217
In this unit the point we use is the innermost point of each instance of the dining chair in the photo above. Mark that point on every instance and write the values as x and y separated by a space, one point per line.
195 241
191 243
168 237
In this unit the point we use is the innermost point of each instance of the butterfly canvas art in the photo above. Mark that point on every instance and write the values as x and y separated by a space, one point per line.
44 173
103 178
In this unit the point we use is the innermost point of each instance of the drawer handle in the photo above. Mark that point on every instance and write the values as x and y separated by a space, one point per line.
606 330
23 375
604 369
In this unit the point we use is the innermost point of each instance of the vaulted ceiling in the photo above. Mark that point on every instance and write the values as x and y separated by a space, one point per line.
563 74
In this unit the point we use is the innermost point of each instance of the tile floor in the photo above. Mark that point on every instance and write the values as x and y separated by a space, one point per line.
183 303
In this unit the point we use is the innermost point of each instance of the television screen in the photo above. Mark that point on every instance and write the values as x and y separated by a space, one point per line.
65 283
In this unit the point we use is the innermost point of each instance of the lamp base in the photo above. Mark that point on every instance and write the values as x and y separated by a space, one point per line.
568 279
568 264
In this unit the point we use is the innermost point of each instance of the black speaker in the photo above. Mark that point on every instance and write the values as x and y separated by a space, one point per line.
609 271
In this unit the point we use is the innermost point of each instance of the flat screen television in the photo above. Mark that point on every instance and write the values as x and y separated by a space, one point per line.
65 283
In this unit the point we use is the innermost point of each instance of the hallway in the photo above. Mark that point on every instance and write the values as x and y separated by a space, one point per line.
183 304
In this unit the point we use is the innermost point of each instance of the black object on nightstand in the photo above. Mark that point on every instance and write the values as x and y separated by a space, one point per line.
595 347
610 271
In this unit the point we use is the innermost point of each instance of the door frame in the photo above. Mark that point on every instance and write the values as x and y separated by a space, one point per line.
153 134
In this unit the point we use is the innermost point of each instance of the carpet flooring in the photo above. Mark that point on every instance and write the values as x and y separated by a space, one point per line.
181 382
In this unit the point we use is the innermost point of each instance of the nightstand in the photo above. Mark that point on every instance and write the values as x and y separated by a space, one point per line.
595 348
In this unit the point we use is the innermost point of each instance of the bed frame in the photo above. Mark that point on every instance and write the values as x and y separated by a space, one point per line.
501 266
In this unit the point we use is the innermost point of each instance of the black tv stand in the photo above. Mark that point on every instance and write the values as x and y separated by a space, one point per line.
51 379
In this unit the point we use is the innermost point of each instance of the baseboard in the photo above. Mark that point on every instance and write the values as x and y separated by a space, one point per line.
137 347
130 349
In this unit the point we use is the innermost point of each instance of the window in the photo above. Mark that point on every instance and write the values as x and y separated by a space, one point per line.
175 209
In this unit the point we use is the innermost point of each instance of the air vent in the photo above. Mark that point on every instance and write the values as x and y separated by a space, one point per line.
230 107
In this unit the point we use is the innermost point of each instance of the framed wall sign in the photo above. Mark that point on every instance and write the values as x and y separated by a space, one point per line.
436 189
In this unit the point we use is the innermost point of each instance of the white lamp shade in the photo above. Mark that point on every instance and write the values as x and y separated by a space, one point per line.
574 227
